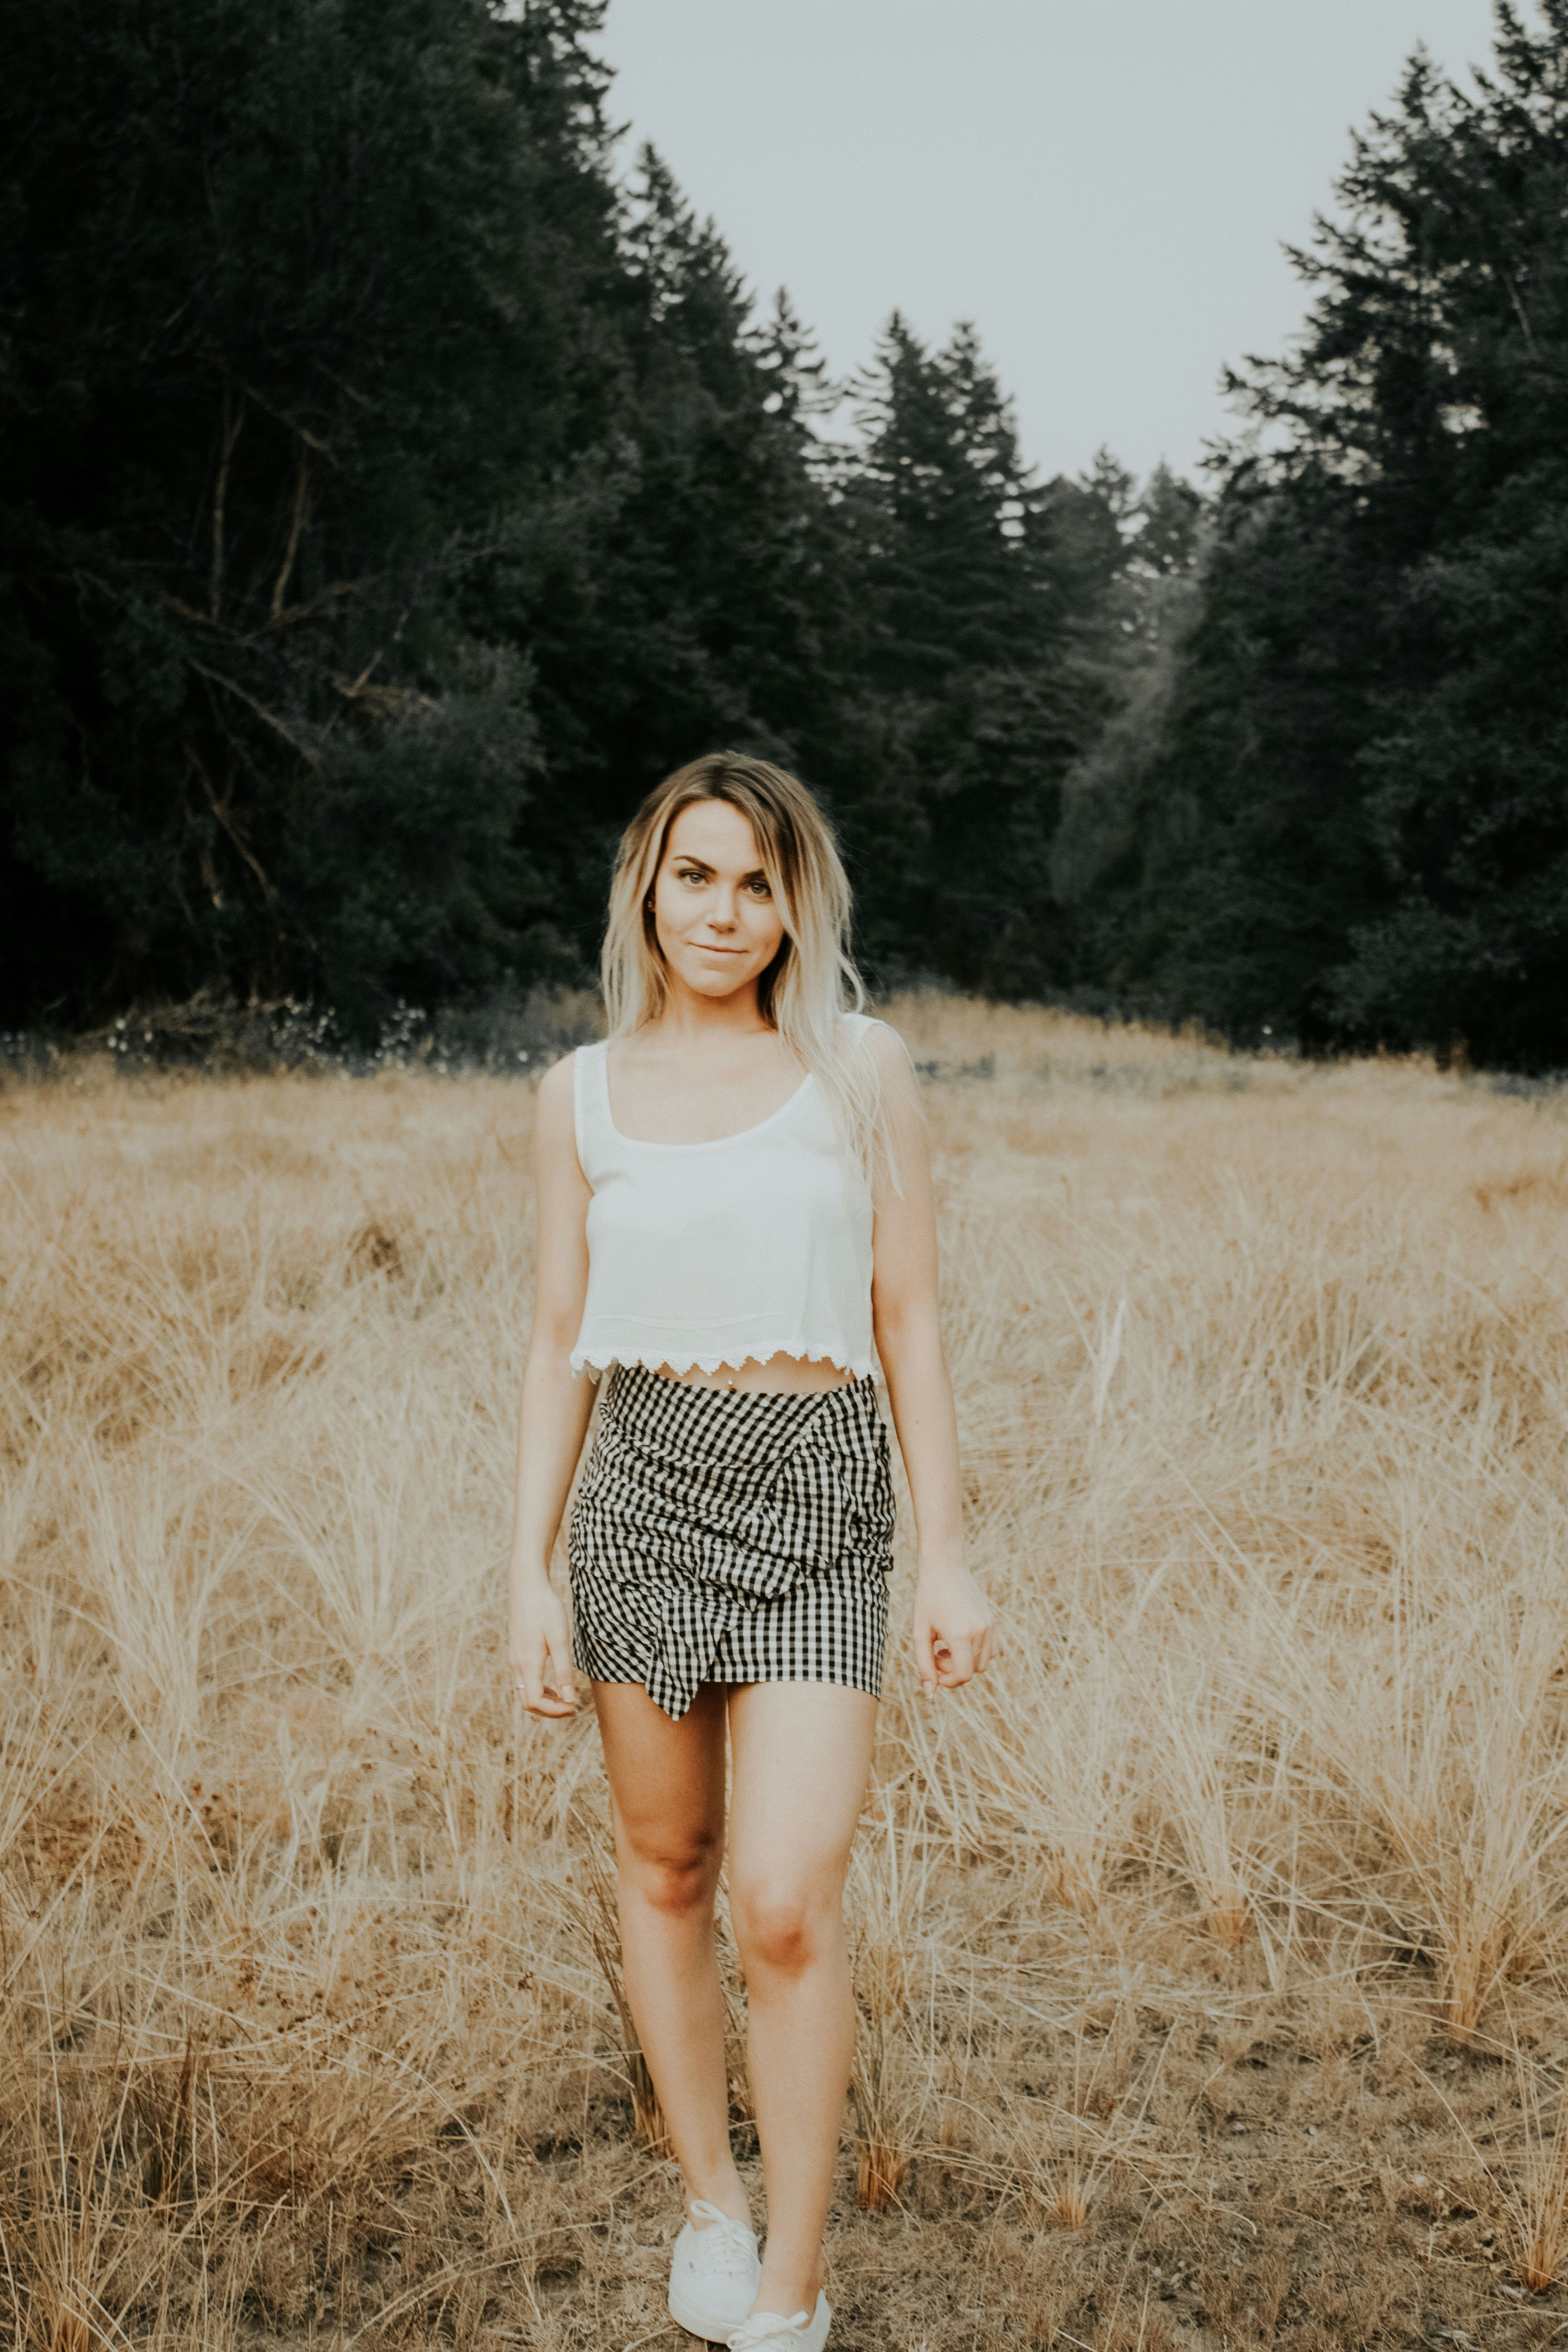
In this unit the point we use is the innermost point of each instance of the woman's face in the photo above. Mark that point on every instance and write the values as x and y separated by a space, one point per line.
715 916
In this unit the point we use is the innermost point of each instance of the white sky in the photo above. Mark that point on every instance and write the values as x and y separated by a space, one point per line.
1102 185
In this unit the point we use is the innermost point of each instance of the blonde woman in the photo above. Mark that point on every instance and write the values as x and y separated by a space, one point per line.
735 1204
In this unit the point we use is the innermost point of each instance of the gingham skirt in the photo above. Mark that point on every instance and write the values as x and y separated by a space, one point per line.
726 1536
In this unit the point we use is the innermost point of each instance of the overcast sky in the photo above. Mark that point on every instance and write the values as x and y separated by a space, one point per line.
1102 185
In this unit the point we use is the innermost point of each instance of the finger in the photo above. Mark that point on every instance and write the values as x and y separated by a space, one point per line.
537 1697
925 1655
960 1662
565 1687
548 1704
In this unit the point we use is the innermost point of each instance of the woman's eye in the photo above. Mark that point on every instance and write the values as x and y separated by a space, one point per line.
759 888
688 874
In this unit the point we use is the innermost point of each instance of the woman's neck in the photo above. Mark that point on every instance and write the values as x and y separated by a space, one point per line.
688 1019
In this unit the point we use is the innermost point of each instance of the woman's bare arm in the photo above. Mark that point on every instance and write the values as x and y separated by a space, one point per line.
555 1404
952 1624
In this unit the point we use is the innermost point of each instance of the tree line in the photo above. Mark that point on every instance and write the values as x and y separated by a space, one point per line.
1340 810
393 490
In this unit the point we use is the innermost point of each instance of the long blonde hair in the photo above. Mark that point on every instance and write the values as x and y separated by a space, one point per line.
811 983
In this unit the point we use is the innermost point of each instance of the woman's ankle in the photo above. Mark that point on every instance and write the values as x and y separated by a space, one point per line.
788 2288
728 2196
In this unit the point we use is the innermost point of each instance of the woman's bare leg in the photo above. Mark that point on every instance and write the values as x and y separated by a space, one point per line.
802 1757
667 1786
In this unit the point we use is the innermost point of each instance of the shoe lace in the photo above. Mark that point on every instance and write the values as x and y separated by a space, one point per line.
727 2244
766 2329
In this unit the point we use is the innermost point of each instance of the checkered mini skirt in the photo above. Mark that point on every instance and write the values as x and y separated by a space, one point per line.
721 1536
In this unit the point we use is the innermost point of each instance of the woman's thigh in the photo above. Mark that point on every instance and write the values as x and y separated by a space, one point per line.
667 1779
801 1755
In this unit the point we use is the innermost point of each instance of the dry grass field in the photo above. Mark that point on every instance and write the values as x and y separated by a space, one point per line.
1211 1955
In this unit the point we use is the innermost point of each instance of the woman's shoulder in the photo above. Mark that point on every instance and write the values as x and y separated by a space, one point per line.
562 1077
562 1070
884 1045
558 1088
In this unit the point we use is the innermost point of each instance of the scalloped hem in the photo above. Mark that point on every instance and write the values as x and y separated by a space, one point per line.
592 1362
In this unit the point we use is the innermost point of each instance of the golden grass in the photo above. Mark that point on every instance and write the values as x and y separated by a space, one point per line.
1210 1954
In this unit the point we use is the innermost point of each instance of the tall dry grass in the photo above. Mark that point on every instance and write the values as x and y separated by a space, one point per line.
1210 1954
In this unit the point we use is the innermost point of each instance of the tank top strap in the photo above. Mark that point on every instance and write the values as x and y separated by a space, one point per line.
858 1026
591 1104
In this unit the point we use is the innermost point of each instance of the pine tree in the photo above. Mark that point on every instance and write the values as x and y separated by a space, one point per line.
961 709
669 596
1355 820
286 292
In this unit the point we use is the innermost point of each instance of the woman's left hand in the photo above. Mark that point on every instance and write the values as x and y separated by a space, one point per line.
954 1637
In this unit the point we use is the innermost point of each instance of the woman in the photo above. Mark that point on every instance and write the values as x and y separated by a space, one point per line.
734 1198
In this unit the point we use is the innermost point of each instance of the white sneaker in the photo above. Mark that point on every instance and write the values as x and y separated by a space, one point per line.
714 2274
766 2332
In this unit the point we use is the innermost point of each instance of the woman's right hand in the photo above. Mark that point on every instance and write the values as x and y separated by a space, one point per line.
541 1651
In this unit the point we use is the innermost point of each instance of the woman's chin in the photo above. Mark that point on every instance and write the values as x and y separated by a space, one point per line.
704 979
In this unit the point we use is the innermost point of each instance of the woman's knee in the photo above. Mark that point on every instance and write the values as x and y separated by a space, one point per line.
783 1929
673 1874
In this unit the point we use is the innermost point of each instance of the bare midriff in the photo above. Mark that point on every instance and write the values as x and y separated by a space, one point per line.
779 1376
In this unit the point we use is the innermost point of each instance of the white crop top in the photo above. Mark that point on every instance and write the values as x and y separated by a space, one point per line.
707 1253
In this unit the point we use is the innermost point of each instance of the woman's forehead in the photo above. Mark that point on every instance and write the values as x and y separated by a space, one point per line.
718 833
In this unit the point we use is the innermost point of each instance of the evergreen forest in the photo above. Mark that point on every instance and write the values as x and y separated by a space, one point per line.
397 483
